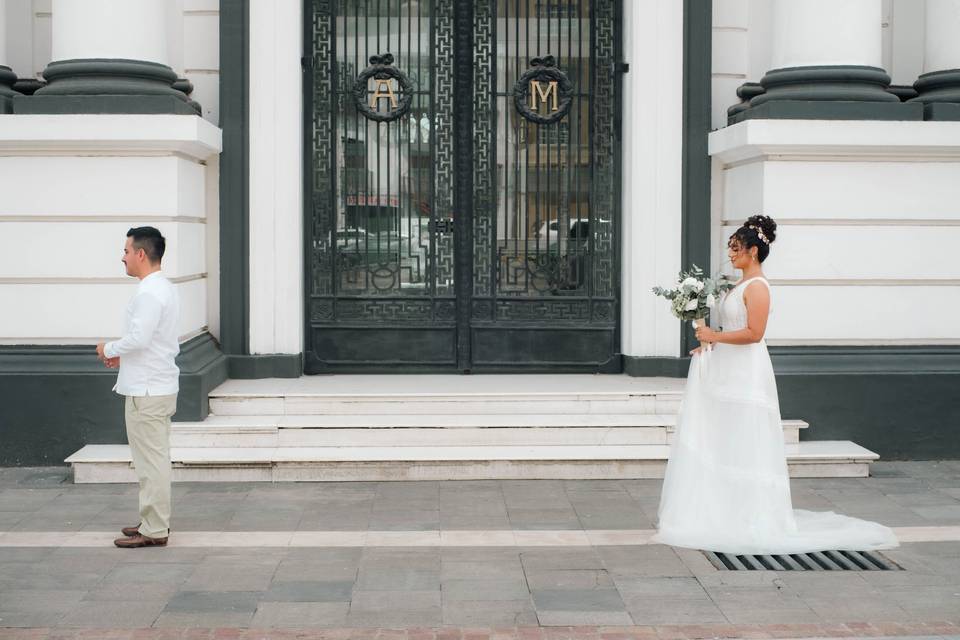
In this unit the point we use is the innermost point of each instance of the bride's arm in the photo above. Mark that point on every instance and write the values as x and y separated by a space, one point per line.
756 297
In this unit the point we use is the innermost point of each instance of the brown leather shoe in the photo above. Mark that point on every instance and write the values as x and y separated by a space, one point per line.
131 531
139 541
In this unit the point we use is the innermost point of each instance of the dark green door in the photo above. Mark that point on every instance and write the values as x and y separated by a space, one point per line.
462 185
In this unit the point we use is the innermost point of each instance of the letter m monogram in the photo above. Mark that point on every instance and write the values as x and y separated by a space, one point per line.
537 90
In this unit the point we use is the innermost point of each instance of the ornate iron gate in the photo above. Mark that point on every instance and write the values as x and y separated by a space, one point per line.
462 185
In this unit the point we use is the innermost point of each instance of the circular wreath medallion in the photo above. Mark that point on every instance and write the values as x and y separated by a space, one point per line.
383 73
543 86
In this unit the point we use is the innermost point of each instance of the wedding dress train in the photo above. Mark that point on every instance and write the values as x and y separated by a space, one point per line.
727 487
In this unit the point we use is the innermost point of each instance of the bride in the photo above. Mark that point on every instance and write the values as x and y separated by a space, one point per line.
727 488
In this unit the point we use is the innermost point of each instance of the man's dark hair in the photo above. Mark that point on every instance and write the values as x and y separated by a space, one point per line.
150 240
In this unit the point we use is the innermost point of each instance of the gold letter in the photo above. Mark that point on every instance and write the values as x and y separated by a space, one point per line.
386 94
537 90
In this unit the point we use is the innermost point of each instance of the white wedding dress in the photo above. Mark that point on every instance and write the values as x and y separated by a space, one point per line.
727 488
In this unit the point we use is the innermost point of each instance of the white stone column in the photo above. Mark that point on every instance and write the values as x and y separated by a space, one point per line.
939 86
827 64
121 29
652 179
826 32
276 184
109 56
7 76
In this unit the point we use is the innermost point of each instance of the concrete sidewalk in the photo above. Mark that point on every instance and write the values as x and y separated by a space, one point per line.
457 560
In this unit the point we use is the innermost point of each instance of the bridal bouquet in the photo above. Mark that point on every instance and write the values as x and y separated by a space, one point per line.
694 295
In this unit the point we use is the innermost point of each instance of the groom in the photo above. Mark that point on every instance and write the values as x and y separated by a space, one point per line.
149 379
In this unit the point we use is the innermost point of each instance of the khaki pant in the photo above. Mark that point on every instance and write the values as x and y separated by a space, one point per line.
148 432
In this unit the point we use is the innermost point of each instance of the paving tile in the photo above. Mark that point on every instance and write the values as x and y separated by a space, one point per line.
673 609
482 570
393 578
140 573
340 591
203 620
371 601
488 613
29 619
563 558
214 601
568 579
132 592
578 600
299 615
579 618
229 574
113 614
40 600
484 590
643 561
640 587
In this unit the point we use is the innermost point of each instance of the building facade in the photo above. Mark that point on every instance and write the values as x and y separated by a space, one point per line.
409 186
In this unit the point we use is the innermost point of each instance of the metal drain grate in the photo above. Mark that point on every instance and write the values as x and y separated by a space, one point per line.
817 561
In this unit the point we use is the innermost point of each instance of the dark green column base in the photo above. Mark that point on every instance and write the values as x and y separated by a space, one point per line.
825 83
942 111
56 399
7 79
37 104
106 85
825 110
265 366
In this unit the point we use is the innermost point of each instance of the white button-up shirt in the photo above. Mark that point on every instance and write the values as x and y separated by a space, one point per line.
149 344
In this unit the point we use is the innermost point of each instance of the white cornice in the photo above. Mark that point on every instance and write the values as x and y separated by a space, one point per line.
753 140
110 133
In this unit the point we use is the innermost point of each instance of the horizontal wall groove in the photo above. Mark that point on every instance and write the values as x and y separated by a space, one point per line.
73 341
110 281
842 156
110 219
865 282
830 342
202 71
857 222
722 74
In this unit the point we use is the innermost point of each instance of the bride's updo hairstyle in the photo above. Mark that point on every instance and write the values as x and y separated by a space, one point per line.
758 231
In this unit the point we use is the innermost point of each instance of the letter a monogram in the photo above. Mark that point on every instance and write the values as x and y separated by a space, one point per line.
378 93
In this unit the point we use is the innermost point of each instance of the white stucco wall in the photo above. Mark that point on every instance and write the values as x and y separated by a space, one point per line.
74 185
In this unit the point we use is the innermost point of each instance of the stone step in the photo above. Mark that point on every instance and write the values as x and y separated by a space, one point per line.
432 430
111 463
448 394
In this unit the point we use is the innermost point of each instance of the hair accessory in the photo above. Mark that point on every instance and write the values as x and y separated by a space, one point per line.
759 234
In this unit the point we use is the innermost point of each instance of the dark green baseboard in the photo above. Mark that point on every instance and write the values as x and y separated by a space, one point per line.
898 401
64 104
943 111
55 399
6 104
826 110
265 366
656 367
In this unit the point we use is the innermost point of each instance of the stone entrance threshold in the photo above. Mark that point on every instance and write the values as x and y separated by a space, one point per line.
863 630
443 427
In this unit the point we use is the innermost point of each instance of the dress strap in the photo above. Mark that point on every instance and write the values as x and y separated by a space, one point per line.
760 278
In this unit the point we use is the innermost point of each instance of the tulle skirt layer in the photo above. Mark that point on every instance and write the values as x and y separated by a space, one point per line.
727 487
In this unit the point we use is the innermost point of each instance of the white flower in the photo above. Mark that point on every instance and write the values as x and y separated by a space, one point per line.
691 306
692 282
711 300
